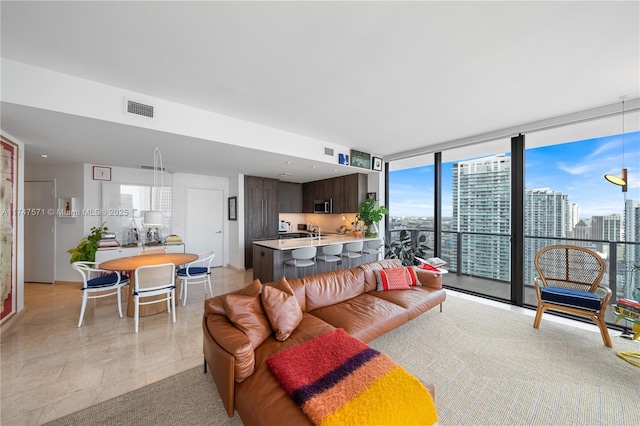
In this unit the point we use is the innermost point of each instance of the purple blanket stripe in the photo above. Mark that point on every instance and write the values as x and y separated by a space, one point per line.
305 393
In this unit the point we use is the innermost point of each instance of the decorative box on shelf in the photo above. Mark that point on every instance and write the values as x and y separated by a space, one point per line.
67 207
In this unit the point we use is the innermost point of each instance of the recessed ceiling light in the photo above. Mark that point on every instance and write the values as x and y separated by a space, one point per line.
285 174
289 162
314 167
43 155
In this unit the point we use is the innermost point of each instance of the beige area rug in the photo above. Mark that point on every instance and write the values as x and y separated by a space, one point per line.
489 367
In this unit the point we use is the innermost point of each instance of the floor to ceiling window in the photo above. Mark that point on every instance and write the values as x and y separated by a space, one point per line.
411 199
568 201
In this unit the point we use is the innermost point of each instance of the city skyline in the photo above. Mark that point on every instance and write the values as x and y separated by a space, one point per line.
574 168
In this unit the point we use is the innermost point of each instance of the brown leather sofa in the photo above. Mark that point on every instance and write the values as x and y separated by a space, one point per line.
339 299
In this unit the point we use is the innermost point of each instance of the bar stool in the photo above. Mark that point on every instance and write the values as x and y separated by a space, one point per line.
301 258
330 254
374 249
353 251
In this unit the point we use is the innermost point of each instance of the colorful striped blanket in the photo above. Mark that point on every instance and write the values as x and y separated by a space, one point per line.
336 379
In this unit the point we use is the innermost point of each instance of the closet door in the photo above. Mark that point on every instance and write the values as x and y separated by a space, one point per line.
39 248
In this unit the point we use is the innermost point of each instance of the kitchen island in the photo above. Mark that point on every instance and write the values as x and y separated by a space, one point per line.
269 255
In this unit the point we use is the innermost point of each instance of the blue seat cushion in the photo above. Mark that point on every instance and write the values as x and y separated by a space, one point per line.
572 298
194 270
103 281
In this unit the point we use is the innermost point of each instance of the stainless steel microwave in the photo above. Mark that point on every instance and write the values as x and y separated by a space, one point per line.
323 206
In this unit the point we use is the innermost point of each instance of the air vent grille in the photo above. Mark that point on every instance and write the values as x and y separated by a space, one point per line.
139 109
328 151
144 167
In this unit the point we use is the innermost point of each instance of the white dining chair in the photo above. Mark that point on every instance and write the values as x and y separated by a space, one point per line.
196 272
154 280
98 283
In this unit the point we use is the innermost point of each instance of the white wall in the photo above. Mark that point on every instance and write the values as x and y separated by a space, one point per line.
236 227
41 88
77 181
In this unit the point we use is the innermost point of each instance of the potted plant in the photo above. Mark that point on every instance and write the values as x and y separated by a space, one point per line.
86 249
370 216
406 249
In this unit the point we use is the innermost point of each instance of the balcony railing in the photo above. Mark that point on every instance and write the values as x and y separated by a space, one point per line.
480 263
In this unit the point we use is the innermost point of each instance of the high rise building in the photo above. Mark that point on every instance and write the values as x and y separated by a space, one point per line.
481 204
548 213
606 228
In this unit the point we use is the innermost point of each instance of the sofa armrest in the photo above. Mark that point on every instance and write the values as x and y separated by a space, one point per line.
229 355
429 279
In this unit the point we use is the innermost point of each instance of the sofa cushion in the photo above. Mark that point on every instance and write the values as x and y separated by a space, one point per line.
417 300
246 313
333 287
365 317
395 278
282 308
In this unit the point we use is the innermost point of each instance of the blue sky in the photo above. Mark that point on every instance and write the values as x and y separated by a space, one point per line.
574 168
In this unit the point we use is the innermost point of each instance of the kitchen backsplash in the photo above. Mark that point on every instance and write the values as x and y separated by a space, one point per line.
328 223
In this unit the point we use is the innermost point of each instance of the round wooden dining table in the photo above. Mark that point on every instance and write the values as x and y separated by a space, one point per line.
131 263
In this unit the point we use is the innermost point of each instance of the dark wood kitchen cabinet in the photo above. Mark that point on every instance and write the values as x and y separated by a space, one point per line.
347 192
289 197
260 213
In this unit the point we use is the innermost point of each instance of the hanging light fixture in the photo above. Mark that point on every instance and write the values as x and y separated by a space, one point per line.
153 218
622 179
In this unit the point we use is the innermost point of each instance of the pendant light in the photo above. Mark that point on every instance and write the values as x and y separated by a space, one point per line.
153 218
622 180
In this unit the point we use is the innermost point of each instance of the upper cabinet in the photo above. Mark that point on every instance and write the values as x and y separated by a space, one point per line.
347 192
290 197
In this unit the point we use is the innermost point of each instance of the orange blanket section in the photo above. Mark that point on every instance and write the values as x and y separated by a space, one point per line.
336 379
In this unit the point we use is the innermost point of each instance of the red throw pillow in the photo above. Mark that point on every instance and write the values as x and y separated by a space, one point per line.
401 278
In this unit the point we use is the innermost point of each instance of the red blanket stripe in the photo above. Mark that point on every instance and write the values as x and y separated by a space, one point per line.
336 349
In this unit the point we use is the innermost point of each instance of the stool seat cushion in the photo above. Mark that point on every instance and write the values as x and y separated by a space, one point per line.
301 263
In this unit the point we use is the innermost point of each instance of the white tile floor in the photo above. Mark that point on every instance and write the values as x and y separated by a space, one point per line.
50 367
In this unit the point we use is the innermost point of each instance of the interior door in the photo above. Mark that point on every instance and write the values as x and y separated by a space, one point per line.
204 222
39 247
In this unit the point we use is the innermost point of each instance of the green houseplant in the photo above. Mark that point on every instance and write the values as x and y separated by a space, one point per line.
406 249
86 249
370 215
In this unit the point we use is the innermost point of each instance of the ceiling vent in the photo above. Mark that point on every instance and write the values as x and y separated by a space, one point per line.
328 151
142 166
137 108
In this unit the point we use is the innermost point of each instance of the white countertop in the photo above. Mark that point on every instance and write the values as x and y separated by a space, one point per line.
325 240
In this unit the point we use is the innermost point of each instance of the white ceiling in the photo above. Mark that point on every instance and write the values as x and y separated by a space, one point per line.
381 77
